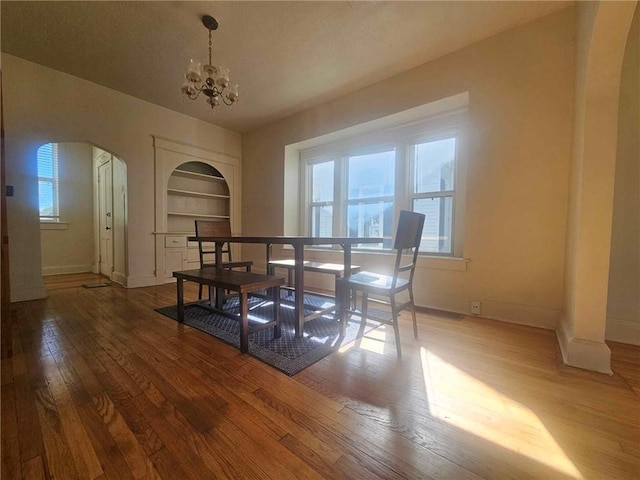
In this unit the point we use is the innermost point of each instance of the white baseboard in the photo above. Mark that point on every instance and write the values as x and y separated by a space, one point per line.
547 318
62 269
585 354
519 314
118 277
24 293
623 331
135 282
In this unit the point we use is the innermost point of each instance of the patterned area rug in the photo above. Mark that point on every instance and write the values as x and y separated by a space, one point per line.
288 354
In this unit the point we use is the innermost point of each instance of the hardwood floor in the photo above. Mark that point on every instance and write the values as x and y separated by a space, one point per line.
102 387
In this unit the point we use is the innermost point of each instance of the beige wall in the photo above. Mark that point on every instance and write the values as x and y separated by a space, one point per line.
71 250
65 108
520 86
623 303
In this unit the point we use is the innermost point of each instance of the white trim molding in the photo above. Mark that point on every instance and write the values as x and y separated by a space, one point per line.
135 282
623 331
24 293
585 354
65 269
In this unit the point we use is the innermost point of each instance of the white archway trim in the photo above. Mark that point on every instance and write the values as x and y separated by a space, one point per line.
601 39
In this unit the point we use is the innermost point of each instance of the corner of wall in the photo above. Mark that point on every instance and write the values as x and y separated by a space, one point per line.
585 354
142 281
28 293
119 277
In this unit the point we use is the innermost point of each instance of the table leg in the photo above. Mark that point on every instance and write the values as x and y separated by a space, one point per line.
180 291
299 287
270 269
343 297
244 323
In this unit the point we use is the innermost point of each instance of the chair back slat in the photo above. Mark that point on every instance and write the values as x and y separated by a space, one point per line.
408 237
409 231
208 228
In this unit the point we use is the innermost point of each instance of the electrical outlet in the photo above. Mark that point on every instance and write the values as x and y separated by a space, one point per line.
475 308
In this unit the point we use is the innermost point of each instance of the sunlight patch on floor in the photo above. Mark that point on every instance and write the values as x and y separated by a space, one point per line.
373 341
471 405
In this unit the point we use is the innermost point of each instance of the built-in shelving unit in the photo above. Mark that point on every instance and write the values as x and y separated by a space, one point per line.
196 215
194 194
195 190
191 183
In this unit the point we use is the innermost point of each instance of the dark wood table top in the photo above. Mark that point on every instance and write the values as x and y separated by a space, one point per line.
289 239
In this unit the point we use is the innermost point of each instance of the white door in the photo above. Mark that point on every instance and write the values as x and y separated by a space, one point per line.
105 209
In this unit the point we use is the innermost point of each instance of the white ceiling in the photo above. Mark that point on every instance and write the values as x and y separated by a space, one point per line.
286 56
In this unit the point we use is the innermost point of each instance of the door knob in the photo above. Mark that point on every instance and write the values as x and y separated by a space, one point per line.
107 228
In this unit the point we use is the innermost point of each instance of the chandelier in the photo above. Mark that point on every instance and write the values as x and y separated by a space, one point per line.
212 81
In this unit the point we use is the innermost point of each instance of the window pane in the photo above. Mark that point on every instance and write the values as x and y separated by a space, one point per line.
47 157
45 193
322 221
322 182
45 161
371 220
372 175
434 165
436 236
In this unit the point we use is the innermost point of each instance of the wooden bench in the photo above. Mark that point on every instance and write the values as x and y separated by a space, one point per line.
241 282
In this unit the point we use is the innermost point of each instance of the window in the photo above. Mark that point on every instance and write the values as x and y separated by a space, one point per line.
321 204
358 186
370 195
48 183
433 191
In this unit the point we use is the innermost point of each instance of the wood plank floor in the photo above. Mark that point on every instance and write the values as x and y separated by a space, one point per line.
102 387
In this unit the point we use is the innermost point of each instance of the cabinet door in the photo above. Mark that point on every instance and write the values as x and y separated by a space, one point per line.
173 260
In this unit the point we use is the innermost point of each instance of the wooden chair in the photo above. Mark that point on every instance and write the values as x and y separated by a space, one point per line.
221 228
408 238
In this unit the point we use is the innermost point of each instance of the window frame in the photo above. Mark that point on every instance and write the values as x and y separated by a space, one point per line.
53 180
309 190
402 138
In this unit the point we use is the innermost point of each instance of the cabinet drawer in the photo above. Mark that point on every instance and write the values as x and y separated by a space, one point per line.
175 242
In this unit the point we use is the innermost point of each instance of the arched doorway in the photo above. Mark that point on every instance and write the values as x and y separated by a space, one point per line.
70 198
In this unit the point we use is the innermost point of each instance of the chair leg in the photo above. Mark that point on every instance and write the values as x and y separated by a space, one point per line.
363 314
276 311
342 314
396 326
199 291
413 314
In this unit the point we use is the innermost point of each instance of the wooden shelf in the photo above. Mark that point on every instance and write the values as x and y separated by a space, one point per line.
196 215
186 173
195 194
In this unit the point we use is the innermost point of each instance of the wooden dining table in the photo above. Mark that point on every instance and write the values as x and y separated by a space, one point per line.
298 243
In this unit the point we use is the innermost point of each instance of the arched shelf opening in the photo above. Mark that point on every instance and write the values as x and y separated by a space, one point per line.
196 191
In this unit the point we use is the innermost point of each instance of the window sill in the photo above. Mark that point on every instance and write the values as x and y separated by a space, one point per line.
436 262
54 225
443 263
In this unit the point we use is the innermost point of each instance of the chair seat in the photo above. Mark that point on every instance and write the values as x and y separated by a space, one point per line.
226 265
375 281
